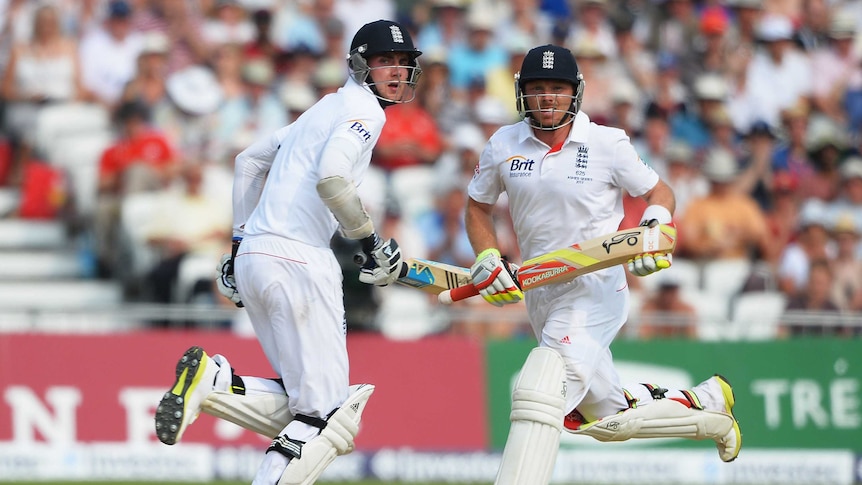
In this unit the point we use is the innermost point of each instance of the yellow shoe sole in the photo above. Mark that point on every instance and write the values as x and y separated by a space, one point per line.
729 402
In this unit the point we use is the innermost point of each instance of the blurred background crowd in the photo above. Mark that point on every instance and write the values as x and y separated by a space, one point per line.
121 119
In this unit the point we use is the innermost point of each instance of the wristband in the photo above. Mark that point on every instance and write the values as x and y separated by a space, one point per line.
657 212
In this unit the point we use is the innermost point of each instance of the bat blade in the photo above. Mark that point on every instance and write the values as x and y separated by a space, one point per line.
564 265
432 276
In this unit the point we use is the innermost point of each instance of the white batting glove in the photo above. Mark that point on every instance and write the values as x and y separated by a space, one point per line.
225 280
384 263
649 263
494 278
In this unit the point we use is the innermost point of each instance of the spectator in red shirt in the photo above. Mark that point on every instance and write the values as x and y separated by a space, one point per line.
141 159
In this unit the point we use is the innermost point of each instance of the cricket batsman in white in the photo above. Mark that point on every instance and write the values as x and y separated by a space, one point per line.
564 177
291 192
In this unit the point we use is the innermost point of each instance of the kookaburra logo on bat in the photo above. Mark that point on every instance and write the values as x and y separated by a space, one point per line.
630 238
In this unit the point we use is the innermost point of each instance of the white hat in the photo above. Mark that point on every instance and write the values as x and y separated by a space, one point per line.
195 90
774 27
467 136
843 26
720 165
155 43
851 168
492 111
297 96
710 87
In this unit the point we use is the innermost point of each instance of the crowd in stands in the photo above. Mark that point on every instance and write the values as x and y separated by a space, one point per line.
750 109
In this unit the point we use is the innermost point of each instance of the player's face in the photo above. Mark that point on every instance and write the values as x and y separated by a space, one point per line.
548 100
390 73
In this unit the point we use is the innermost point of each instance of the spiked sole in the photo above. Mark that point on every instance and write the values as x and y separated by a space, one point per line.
172 415
730 401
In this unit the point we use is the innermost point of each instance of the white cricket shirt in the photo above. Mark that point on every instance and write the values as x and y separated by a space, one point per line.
561 195
289 205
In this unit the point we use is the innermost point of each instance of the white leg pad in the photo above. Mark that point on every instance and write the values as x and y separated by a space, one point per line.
265 414
334 440
663 418
538 403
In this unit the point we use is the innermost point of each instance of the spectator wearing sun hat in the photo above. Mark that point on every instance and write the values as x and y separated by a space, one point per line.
778 74
839 70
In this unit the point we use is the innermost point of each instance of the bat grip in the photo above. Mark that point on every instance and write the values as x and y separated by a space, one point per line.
448 297
361 258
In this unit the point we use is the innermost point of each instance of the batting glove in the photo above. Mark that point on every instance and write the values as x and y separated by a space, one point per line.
224 277
383 264
649 263
495 279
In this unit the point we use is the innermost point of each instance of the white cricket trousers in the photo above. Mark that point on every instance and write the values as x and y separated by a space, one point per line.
294 298
580 320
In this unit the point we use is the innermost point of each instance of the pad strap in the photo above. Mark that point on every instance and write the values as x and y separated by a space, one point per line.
311 420
288 447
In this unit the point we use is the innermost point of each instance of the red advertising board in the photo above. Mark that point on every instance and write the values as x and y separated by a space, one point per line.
430 394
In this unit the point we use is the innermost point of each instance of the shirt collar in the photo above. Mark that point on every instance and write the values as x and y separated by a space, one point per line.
578 133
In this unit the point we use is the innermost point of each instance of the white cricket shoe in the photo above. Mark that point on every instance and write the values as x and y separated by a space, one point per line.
181 405
716 394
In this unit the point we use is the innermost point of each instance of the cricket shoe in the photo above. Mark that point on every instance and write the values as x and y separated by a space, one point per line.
180 406
719 397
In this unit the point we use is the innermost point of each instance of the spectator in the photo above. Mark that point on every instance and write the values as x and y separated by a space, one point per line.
782 213
446 28
825 143
252 114
148 84
633 60
847 282
262 44
409 138
711 52
652 142
479 55
189 114
692 125
527 22
839 69
779 74
814 19
109 53
674 29
141 159
791 154
227 23
726 223
683 176
759 146
812 243
181 24
592 63
666 315
45 70
816 298
593 27
185 223
849 198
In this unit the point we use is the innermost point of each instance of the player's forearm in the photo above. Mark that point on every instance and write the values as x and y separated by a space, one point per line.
662 196
479 223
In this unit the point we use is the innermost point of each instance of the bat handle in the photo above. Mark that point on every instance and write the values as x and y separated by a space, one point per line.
448 297
361 258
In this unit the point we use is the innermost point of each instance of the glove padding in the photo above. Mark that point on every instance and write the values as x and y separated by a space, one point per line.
649 263
224 276
383 264
494 277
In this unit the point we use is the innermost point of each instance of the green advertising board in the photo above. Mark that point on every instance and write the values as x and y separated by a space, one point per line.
801 393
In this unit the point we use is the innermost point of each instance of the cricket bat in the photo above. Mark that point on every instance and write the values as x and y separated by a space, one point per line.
566 264
429 276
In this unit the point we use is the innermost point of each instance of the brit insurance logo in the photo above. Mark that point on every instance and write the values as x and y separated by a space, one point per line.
520 166
358 128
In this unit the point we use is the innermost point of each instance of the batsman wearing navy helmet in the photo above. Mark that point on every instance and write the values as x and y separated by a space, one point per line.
291 192
564 176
